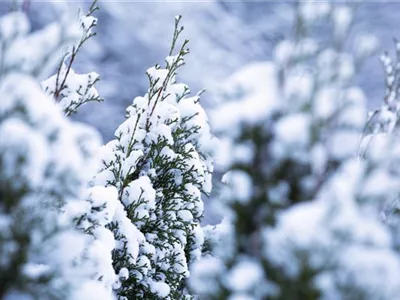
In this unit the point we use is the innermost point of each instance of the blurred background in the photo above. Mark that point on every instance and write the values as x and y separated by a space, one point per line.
224 36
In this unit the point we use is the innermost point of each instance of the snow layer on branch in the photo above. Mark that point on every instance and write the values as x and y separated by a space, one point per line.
14 25
243 90
26 52
78 88
345 241
69 89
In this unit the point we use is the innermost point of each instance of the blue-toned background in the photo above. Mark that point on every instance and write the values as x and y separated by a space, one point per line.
224 36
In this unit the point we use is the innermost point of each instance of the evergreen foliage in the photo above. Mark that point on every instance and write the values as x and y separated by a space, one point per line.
160 164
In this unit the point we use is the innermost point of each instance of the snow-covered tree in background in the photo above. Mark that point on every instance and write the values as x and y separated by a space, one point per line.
304 212
160 164
45 164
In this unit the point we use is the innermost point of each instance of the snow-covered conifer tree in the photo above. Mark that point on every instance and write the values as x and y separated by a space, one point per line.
45 164
303 211
160 164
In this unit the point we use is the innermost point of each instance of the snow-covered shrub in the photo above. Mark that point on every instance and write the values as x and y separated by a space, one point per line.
303 211
45 164
160 164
